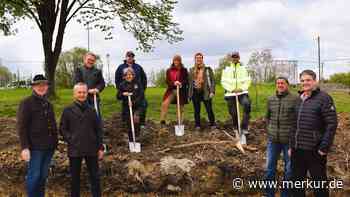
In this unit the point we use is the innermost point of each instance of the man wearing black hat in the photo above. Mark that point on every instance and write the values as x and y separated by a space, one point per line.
93 77
141 78
36 126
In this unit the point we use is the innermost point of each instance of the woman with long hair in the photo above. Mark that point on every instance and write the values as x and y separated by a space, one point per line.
176 75
202 89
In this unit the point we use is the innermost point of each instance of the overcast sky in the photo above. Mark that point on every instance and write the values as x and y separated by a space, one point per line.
288 27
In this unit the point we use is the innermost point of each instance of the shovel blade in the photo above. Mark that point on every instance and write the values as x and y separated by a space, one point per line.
134 147
243 139
179 130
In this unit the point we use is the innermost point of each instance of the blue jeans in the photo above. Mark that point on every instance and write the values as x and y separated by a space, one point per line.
38 168
273 152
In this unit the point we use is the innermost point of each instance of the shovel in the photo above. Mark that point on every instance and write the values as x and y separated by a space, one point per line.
105 150
95 105
134 146
179 128
241 136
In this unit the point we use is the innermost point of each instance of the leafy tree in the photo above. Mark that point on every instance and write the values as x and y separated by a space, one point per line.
148 22
160 78
260 63
5 76
223 62
341 78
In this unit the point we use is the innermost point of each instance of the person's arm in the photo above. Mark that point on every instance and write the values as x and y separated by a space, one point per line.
99 132
268 113
293 124
185 81
100 82
118 77
168 81
121 90
212 80
23 122
143 78
78 77
64 126
329 118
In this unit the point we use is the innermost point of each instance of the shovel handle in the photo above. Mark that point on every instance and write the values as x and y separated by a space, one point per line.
95 105
178 104
238 115
132 120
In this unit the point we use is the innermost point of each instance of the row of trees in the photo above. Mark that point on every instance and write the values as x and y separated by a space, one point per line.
5 76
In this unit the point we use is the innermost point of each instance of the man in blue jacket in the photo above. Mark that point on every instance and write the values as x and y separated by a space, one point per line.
141 78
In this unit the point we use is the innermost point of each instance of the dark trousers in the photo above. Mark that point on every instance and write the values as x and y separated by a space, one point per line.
143 111
93 170
126 119
38 169
303 161
245 102
197 98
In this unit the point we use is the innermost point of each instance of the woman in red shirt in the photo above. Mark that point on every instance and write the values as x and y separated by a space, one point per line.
176 75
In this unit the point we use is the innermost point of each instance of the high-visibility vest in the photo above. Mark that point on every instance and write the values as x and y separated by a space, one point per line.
235 77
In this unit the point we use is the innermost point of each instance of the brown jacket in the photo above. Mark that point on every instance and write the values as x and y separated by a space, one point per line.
36 124
81 129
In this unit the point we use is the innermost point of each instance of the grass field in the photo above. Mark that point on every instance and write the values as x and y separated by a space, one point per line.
9 100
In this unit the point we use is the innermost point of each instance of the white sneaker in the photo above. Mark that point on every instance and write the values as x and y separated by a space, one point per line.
245 131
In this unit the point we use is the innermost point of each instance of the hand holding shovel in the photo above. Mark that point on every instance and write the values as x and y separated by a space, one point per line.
179 128
135 147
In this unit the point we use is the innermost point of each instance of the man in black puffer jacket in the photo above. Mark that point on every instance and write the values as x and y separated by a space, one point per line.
312 135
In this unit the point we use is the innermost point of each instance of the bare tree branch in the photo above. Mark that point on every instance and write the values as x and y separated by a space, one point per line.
75 11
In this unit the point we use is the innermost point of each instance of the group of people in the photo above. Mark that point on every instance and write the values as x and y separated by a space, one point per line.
302 127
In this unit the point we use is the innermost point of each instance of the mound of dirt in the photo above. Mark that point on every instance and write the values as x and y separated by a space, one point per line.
197 164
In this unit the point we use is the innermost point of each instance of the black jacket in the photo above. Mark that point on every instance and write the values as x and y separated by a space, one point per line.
91 76
81 129
135 88
140 74
36 124
316 123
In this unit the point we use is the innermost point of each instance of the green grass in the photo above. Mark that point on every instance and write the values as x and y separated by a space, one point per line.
9 100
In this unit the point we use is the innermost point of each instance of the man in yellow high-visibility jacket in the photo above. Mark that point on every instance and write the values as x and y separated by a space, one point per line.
236 81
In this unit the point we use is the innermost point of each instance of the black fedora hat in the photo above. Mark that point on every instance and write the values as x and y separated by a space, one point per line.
38 79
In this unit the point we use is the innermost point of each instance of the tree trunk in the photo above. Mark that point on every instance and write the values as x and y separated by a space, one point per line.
48 18
50 71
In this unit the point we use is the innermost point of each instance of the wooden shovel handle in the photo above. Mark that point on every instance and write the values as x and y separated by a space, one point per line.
178 104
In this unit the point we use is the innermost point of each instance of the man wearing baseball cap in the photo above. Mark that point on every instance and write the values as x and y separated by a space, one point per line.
36 126
140 77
